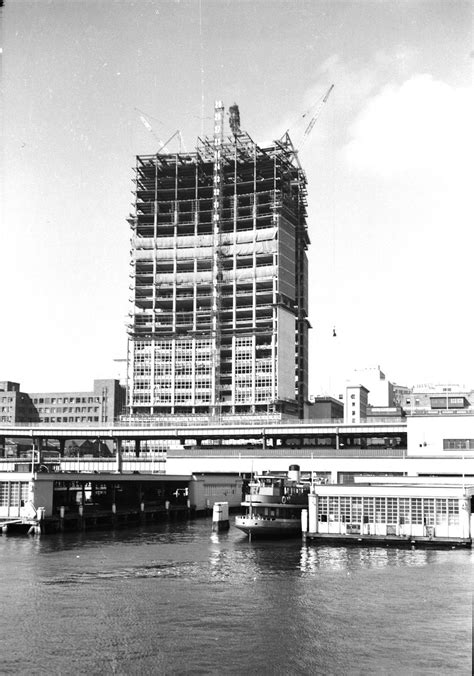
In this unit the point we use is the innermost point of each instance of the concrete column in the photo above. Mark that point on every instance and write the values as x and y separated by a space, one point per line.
2 447
312 513
137 448
464 517
62 447
118 456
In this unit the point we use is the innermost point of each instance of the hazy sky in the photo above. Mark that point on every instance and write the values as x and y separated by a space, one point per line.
389 165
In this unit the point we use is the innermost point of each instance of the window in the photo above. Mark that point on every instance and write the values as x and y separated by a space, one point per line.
356 515
333 508
345 510
14 494
368 510
429 511
323 509
453 512
416 511
404 510
380 510
4 493
392 510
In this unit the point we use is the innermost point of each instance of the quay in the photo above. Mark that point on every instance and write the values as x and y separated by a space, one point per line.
180 467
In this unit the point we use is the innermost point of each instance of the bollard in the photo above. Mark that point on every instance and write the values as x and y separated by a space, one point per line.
62 514
220 517
82 521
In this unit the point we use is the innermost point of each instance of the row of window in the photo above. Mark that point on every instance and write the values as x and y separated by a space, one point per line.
65 400
13 493
458 444
71 418
68 409
428 511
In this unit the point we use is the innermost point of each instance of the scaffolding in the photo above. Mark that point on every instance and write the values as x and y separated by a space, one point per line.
218 318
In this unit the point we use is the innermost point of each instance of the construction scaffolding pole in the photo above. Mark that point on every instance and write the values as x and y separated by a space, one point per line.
216 262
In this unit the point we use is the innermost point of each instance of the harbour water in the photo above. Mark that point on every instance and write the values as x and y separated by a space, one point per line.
178 599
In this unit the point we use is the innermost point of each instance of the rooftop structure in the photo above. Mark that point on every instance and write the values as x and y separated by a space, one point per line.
218 319
430 399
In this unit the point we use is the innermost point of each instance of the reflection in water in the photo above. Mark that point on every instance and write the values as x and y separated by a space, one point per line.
315 558
178 598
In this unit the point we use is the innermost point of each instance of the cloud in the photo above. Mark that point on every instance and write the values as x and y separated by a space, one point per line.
421 125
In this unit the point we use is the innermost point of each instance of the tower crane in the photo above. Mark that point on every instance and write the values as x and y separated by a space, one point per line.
163 145
315 115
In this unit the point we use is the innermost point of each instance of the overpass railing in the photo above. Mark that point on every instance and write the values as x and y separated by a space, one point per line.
89 465
175 421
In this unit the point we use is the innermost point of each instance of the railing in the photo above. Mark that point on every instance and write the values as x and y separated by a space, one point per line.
440 411
287 452
203 421
153 466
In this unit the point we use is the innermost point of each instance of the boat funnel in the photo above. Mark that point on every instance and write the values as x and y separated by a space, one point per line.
294 473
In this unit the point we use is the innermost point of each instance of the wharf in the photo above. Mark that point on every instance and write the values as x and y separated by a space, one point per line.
389 541
95 519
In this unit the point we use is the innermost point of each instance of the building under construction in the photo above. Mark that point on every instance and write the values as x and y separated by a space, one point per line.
218 323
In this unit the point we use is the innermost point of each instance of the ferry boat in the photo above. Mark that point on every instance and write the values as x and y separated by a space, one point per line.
273 504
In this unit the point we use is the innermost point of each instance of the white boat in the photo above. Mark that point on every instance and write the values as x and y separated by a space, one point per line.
273 504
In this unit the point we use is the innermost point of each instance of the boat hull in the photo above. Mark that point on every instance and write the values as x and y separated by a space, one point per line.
268 527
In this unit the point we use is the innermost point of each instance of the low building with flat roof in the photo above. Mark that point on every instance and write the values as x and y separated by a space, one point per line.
404 510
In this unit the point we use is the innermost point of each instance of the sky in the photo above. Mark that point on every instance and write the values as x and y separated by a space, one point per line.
388 162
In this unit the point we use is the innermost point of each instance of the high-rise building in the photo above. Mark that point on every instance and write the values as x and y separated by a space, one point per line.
218 323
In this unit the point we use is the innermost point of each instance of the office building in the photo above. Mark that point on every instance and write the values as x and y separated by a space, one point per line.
218 320
104 403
